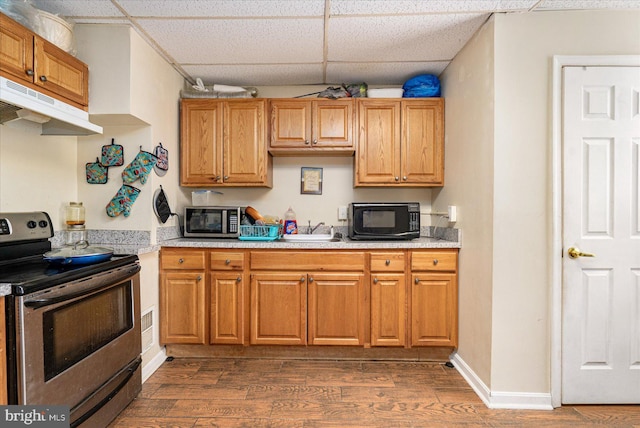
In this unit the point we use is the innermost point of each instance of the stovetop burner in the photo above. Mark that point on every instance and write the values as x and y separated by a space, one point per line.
33 273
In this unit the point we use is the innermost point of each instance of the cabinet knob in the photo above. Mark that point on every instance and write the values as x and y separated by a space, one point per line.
417 281
375 280
217 178
180 261
302 279
199 278
311 279
43 78
226 262
435 262
226 177
238 279
387 262
30 72
397 178
404 177
315 141
306 142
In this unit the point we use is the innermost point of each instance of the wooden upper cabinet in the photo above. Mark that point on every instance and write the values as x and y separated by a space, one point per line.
317 127
41 65
223 143
400 142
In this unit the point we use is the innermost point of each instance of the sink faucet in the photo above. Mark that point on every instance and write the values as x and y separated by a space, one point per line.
310 229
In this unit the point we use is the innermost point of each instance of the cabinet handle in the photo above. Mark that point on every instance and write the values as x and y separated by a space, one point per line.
311 279
306 142
238 279
30 72
375 280
225 178
43 78
315 141
217 178
180 261
404 177
397 178
226 262
435 262
387 262
302 279
417 281
199 278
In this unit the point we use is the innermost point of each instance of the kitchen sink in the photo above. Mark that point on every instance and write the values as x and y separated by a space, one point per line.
312 237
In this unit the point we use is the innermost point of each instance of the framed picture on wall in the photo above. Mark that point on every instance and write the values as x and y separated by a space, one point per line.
310 181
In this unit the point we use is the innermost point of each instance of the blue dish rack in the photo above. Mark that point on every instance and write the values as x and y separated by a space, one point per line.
260 233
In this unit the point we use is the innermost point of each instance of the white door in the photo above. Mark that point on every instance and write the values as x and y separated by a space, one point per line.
601 216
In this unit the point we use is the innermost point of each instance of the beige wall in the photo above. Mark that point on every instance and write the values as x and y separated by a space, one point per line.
519 312
468 88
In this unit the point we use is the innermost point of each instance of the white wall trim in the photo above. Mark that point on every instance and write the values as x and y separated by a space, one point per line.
499 399
560 61
153 365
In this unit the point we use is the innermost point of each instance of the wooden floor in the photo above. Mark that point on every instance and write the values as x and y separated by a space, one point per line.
295 393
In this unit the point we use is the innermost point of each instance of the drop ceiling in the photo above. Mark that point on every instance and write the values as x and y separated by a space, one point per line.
303 42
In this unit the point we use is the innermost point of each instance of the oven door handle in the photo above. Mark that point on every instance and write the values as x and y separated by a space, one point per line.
41 303
132 369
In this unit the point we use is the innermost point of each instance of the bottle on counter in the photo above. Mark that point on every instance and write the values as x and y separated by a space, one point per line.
74 214
290 223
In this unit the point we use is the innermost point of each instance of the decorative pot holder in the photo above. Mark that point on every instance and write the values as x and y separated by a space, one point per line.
96 172
162 164
140 167
113 154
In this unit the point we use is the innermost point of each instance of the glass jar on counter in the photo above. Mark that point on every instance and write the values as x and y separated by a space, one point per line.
76 234
74 214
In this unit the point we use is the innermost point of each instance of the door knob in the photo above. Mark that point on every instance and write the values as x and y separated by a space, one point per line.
574 253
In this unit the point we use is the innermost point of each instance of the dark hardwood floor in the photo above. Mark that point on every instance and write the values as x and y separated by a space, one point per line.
190 392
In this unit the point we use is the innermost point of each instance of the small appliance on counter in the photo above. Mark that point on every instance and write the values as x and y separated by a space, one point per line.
212 222
384 220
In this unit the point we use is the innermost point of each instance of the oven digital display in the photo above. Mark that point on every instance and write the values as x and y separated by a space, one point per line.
374 219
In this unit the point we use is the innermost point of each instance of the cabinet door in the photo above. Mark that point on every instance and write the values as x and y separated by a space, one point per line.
290 124
183 302
200 142
61 73
279 308
332 124
335 309
388 309
245 157
227 308
422 142
377 159
16 50
434 309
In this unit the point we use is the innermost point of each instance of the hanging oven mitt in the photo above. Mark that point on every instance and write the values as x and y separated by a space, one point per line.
162 164
123 201
140 167
96 173
112 155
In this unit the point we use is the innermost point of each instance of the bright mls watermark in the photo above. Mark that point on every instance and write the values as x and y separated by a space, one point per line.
34 416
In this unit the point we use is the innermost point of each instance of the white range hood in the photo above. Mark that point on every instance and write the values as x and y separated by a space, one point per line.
57 118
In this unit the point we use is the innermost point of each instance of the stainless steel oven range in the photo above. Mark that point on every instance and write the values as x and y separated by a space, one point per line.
73 331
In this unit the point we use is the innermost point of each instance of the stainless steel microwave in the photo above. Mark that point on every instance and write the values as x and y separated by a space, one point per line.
212 222
384 220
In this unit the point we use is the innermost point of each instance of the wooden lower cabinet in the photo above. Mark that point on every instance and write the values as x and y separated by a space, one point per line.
397 298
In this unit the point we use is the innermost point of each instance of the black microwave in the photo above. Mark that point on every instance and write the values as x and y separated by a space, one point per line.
212 222
384 220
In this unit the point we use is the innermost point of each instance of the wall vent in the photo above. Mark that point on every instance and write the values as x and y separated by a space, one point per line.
146 325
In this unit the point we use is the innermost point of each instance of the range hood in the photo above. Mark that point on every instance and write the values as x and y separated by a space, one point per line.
57 118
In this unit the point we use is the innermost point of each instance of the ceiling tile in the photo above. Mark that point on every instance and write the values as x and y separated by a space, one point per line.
588 4
78 7
381 74
403 7
257 75
395 38
224 8
251 41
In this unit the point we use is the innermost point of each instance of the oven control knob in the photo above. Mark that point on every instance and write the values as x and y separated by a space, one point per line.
31 224
43 223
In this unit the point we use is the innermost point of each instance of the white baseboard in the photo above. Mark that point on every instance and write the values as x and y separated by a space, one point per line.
153 365
498 399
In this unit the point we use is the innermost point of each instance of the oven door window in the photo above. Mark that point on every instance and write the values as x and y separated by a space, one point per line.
76 330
